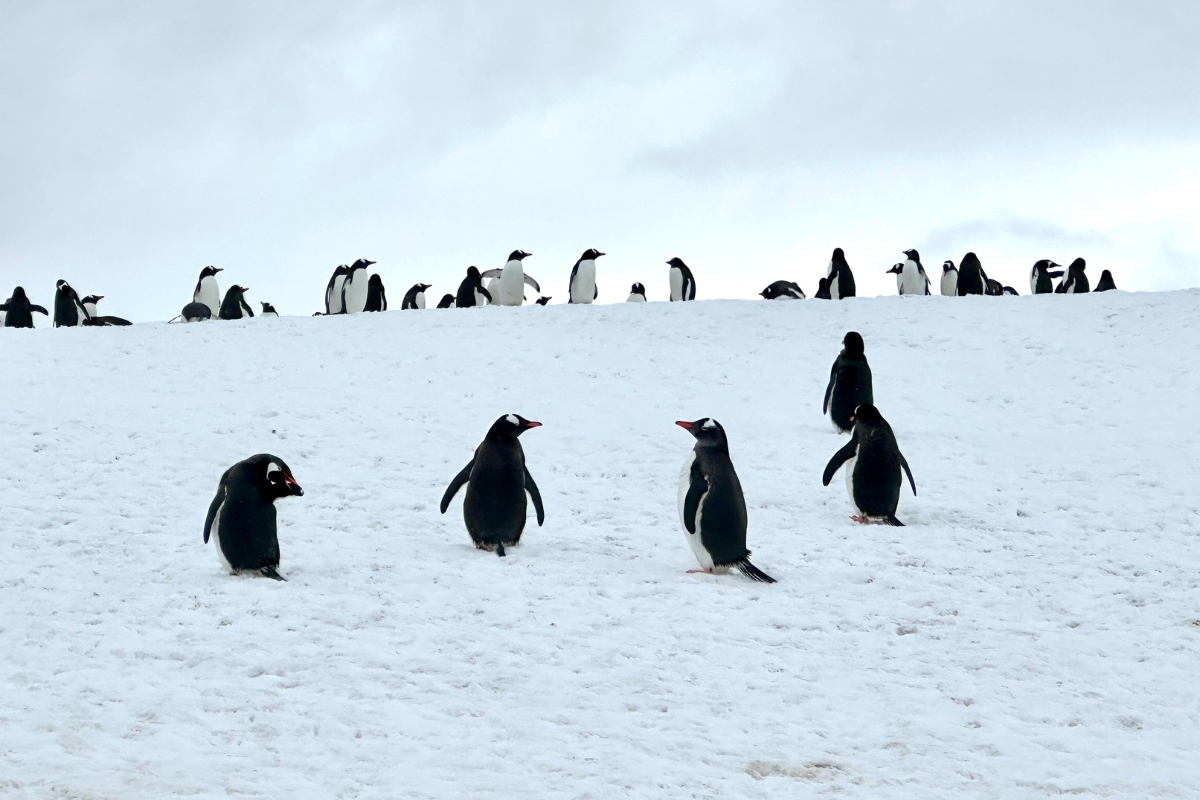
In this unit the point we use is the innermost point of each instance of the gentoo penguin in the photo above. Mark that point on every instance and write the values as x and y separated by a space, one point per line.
268 309
377 296
782 290
333 291
683 284
970 276
994 287
910 275
637 294
510 288
841 279
873 474
234 305
471 292
354 290
1008 290
1040 276
1075 283
196 312
414 298
94 318
447 301
241 518
68 308
711 506
823 290
18 311
1105 284
541 301
497 480
949 279
207 291
582 286
849 383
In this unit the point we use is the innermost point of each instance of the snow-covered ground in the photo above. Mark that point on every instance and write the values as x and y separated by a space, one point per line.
1030 633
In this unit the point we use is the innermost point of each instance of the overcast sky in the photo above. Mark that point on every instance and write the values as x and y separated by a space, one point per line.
140 142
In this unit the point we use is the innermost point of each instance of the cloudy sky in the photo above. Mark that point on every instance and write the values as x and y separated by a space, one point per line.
141 142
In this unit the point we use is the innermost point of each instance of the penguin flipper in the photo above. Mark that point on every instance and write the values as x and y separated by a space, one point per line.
38 309
486 294
839 458
907 471
697 486
571 282
829 388
536 496
753 573
595 291
532 284
213 507
456 484
491 273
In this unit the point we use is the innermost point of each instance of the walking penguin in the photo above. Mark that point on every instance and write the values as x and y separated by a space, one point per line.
241 518
849 384
873 462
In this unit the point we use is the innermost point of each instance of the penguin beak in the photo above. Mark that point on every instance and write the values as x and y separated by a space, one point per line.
531 424
687 426
292 486
600 254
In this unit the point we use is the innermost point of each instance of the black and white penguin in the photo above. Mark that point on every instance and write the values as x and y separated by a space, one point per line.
1009 291
18 311
1076 281
543 300
849 383
994 287
377 295
841 279
497 480
783 290
333 291
873 476
823 290
637 294
949 279
354 290
682 282
94 317
241 518
414 298
512 280
1106 283
234 305
970 276
268 310
68 308
1040 276
582 287
196 312
471 292
911 277
711 505
447 301
207 291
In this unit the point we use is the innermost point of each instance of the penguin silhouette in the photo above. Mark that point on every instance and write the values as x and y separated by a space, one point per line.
68 308
782 290
447 301
414 298
471 292
18 311
376 294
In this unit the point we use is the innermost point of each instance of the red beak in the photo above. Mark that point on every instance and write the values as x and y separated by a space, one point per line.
532 424
290 482
687 426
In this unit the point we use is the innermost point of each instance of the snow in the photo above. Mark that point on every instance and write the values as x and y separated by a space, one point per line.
1031 632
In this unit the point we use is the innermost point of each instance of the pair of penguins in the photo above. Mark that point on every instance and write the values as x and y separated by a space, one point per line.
207 303
69 310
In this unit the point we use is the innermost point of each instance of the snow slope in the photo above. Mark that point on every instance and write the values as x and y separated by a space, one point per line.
1030 633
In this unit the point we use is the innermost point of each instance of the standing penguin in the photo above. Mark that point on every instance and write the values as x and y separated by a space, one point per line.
268 309
841 279
873 476
849 383
68 308
1040 276
949 279
447 301
783 290
637 294
970 276
18 311
497 480
683 283
1076 281
196 312
582 286
471 292
911 278
711 505
354 290
333 291
414 298
234 305
823 290
510 289
241 518
1105 284
94 318
377 296
207 291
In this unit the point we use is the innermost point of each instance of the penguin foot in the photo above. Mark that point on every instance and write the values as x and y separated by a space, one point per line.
861 520
701 571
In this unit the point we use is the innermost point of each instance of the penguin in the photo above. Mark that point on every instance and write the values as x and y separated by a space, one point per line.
1105 284
711 505
970 276
470 292
823 290
1040 276
637 294
68 309
949 279
683 283
241 517
849 383
447 301
512 280
994 287
18 311
207 291
94 318
497 480
1008 290
234 305
333 291
910 275
268 310
582 286
783 290
377 296
541 301
414 298
196 312
873 476
354 289
1075 282
841 279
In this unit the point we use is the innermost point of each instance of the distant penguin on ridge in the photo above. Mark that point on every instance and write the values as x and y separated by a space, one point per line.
268 310
207 291
241 517
823 290
1040 276
949 279
234 305
447 301
333 291
414 298
683 283
849 383
873 462
471 292
18 311
1008 290
582 287
1076 281
910 275
196 312
94 317
510 288
543 300
354 290
970 276
783 290
377 295
68 308
841 279
637 294
1106 283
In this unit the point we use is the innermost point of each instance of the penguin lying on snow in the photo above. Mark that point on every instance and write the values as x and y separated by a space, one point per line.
1040 275
234 305
849 383
994 287
414 298
94 318
241 518
582 286
683 283
711 505
268 310
196 312
18 311
949 279
637 294
68 308
782 290
543 300
1105 284
447 301
471 292
511 281
497 480
207 291
873 476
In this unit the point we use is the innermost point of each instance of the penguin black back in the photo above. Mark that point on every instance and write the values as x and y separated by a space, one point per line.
447 301
414 298
823 290
1040 276
849 383
333 290
18 311
1076 281
196 312
841 278
241 517
471 286
782 290
68 308
875 479
376 295
970 276
1106 283
683 283
234 305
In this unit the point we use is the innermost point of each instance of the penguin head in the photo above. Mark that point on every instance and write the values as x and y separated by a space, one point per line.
838 255
518 255
970 260
266 306
420 287
447 301
637 288
210 272
472 272
677 263
896 268
93 299
61 284
1105 275
866 414
853 342
590 254
708 432
948 266
376 282
913 255
823 285
541 301
18 293
510 426
362 263
1078 265
275 477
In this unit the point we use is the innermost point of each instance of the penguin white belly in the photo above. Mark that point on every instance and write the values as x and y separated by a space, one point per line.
785 296
481 299
949 284
849 467
1071 288
693 539
216 537
356 293
493 287
634 297
583 287
835 288
209 294
335 296
1032 282
420 300
911 279
676 284
511 286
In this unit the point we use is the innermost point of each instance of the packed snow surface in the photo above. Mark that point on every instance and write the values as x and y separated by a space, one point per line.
1031 632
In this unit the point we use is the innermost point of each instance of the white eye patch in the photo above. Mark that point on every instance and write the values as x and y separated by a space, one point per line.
272 468
512 419
709 424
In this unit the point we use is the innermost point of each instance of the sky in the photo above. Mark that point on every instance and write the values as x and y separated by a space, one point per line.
141 142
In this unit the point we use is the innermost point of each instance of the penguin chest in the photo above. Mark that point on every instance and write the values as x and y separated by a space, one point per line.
634 297
949 284
335 295
910 279
419 300
676 284
511 286
583 288
209 294
355 293
703 557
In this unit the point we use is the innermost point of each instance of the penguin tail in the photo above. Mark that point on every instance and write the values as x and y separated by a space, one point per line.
753 573
269 572
891 520
500 549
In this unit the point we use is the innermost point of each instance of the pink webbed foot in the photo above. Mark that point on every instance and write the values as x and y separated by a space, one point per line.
860 520
701 571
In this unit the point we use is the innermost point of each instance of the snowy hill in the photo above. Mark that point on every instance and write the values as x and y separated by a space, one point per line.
1030 633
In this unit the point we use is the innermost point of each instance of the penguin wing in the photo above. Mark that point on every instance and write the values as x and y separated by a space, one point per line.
532 284
4 307
485 293
839 458
491 273
39 309
383 301
534 495
595 290
213 507
829 388
697 486
457 483
907 471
